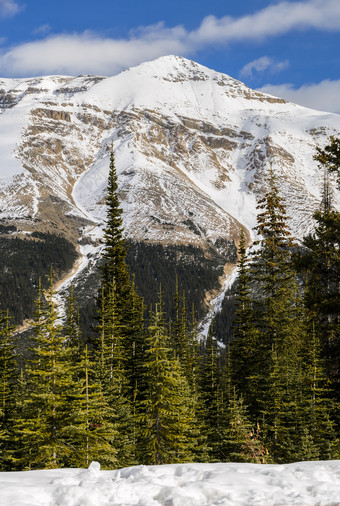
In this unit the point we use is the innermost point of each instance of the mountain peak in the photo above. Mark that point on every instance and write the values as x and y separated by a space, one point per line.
177 69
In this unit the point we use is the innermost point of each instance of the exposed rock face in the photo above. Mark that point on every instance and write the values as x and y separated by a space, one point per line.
193 148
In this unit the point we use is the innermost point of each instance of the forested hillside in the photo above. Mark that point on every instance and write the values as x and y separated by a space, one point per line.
150 391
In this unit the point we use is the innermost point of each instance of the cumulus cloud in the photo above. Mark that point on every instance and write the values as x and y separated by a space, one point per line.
90 53
324 96
9 8
262 64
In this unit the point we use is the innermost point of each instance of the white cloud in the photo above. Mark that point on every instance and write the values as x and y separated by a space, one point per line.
85 53
262 64
91 53
324 96
9 8
271 21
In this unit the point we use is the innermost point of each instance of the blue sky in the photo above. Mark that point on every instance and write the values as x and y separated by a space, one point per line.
288 48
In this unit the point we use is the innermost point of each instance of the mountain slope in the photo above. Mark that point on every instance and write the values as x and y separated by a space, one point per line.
192 149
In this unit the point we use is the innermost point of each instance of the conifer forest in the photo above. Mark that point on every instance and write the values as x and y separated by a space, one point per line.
146 389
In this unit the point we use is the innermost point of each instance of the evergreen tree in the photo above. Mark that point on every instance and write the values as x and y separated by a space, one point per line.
135 346
71 327
45 411
320 262
244 359
91 432
120 344
179 326
184 340
169 427
112 376
114 266
329 156
212 397
242 443
90 429
8 391
316 426
274 340
129 308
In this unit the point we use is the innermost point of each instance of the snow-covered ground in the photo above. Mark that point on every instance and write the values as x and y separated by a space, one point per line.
302 483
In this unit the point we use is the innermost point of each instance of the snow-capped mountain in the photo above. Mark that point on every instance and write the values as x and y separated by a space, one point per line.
192 148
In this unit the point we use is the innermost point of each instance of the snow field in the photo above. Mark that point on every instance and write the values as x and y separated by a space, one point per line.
299 484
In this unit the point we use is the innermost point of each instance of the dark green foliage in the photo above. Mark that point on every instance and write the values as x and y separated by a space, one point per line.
71 327
241 441
276 334
65 419
154 265
91 430
85 294
7 229
119 347
212 397
113 266
110 368
321 265
135 346
23 262
329 157
49 379
169 431
8 392
224 320
246 342
318 429
274 363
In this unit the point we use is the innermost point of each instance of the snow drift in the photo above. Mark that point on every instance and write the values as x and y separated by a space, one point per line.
302 483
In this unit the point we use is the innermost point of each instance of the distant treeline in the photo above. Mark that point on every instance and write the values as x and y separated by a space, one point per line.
23 261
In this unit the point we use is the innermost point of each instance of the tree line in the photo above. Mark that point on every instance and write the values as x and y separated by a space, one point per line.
149 391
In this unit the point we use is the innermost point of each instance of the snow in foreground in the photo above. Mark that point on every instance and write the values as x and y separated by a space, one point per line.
303 483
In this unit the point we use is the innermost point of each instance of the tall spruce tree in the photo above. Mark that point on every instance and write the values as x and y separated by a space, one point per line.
243 355
90 431
169 431
8 392
318 436
278 318
212 396
241 442
112 376
90 428
320 263
114 266
129 307
45 410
